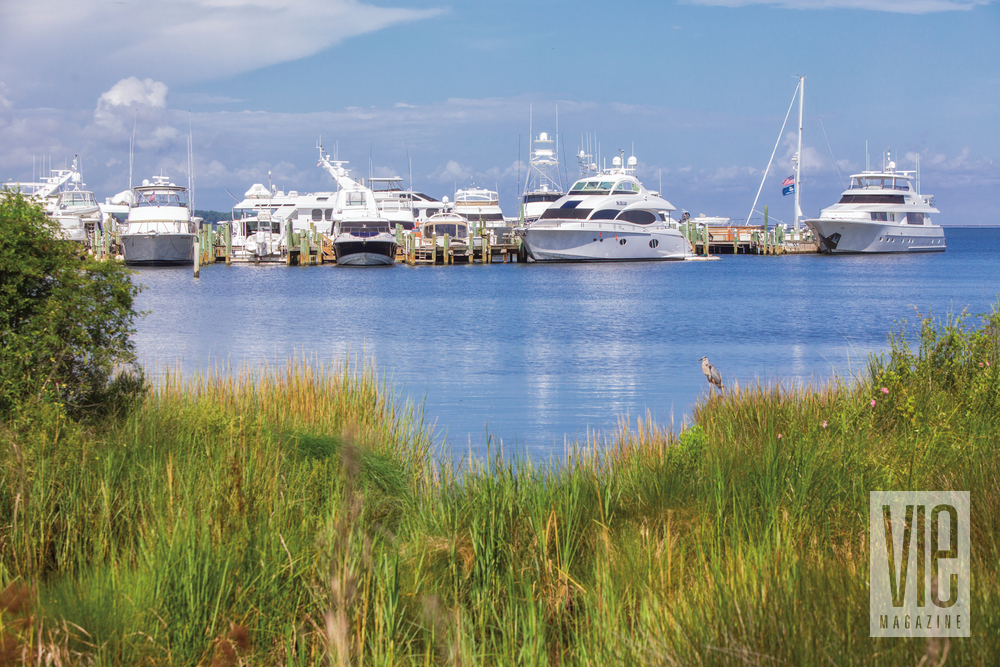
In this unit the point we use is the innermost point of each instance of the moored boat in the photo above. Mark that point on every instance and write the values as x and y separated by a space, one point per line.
881 212
607 216
159 230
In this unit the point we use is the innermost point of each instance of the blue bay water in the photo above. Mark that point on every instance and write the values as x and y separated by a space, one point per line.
538 355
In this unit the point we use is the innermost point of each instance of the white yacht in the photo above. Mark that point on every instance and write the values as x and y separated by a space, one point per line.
880 212
481 208
607 216
63 198
394 203
425 206
542 187
260 218
159 229
362 236
455 227
364 241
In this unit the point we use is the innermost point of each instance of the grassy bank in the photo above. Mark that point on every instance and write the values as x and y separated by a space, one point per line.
296 516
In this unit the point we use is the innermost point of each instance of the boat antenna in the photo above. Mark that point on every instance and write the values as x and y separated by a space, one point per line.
409 162
768 168
519 161
798 155
558 173
131 148
190 165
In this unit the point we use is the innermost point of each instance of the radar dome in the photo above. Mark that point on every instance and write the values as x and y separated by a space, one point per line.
444 200
617 162
632 161
543 136
145 181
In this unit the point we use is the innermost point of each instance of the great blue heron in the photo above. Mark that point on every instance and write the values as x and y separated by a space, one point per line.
711 373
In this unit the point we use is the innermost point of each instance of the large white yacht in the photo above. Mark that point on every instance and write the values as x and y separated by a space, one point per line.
880 212
479 206
361 235
542 187
607 216
394 203
62 196
159 229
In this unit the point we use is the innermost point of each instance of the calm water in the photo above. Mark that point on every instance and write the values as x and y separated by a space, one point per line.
536 355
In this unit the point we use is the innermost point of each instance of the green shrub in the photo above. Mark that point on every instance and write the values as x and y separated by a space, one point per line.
66 319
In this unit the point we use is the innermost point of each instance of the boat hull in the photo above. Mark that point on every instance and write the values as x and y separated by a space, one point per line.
158 249
360 252
841 237
574 241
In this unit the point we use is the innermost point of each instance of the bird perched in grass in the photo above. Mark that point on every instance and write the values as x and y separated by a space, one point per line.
711 373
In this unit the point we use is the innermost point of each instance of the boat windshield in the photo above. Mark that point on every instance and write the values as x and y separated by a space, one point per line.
77 199
160 198
252 226
453 230
587 187
475 198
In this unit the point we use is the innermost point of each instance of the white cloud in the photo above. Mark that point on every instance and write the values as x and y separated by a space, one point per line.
134 104
182 40
452 172
133 91
895 6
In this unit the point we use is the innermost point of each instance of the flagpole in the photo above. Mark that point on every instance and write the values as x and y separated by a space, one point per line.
798 155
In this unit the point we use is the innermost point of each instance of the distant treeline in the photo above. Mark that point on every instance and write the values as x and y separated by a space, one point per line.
214 216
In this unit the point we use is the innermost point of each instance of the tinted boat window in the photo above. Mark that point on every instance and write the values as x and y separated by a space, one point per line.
567 213
638 217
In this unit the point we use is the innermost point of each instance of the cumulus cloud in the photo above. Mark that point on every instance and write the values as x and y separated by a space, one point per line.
895 6
134 104
133 91
452 171
184 40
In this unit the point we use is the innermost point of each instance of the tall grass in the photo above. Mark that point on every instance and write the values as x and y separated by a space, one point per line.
295 516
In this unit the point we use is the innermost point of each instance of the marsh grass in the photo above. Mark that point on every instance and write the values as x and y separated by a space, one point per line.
296 516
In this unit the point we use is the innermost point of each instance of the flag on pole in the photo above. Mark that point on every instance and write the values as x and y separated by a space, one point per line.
788 190
788 181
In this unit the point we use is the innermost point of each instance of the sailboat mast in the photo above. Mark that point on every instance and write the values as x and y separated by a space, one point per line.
798 155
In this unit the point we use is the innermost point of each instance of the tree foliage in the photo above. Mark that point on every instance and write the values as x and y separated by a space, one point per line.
66 319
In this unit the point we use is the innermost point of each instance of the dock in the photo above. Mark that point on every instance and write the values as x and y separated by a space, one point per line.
310 247
747 240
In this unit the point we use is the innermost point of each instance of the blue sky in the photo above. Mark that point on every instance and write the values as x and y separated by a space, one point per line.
700 88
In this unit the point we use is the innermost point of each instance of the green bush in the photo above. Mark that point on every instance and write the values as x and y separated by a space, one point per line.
66 319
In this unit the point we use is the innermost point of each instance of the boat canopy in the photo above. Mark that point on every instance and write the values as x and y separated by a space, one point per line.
602 186
153 196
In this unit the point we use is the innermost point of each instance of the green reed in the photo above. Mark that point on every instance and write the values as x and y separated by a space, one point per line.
296 516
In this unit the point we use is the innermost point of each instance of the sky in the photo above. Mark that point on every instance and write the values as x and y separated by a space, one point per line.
448 91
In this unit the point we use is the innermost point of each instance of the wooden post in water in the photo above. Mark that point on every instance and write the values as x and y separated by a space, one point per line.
765 229
229 244
447 249
434 248
197 258
288 243
304 247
